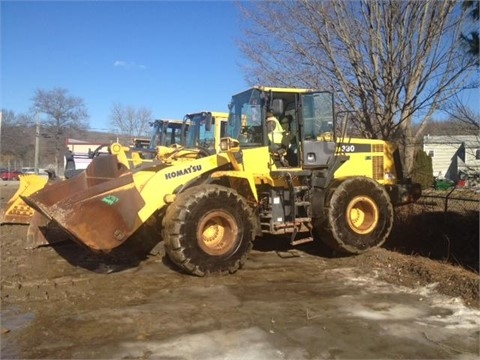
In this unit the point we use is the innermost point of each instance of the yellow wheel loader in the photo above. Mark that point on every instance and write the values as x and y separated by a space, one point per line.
199 135
170 140
211 208
16 211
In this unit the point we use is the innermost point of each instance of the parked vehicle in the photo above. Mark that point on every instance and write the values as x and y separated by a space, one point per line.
8 175
28 170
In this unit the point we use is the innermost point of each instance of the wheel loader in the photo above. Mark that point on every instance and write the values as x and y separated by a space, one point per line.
170 140
210 209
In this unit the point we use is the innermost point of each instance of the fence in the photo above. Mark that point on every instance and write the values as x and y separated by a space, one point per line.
460 200
441 225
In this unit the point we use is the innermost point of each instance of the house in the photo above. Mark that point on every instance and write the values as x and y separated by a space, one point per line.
454 157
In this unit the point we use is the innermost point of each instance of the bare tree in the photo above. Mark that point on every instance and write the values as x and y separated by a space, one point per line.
391 61
465 118
17 139
126 120
63 111
470 38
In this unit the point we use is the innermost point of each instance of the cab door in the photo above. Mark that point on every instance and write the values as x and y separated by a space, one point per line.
316 129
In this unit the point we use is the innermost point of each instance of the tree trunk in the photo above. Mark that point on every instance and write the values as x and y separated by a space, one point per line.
409 155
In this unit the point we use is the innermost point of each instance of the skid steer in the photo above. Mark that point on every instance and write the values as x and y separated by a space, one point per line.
170 139
211 208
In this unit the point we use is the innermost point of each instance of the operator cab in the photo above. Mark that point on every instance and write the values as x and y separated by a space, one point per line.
165 133
306 120
202 130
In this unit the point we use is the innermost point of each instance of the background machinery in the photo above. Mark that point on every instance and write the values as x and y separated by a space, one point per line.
310 185
170 140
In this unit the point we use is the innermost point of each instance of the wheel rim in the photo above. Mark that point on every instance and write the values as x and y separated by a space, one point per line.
217 233
362 215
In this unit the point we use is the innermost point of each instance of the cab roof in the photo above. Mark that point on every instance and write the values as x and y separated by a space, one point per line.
280 90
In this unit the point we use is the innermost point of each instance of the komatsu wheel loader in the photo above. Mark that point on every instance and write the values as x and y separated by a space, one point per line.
170 139
210 209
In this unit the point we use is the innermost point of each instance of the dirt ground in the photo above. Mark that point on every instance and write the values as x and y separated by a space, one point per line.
62 301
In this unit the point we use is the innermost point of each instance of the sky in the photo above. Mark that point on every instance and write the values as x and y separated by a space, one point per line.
172 57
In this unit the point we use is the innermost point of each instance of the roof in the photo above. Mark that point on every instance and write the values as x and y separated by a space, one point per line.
213 113
76 141
288 90
279 90
469 140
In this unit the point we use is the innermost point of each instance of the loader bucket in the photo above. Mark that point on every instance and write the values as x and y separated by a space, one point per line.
17 211
97 208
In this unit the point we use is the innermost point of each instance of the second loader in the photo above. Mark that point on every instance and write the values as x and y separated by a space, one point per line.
170 139
211 208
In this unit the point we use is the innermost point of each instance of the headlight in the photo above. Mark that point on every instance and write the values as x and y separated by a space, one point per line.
229 144
224 144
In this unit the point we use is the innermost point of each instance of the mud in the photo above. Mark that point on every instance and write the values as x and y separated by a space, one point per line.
62 301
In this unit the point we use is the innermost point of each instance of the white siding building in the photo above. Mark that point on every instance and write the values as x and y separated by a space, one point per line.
453 155
80 151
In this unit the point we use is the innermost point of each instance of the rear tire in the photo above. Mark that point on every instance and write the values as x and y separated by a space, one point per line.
208 230
359 216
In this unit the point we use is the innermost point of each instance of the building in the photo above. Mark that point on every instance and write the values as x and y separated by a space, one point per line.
81 150
454 157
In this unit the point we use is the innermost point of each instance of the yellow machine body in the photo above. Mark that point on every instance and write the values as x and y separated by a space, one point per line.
16 211
339 189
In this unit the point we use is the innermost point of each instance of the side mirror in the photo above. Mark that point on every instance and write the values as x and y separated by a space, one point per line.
208 122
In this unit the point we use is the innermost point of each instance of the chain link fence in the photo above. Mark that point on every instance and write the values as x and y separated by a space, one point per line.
441 225
461 200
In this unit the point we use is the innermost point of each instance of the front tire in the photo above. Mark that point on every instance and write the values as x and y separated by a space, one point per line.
359 216
208 230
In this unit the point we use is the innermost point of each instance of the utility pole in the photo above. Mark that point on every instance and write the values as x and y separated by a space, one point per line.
1 138
37 143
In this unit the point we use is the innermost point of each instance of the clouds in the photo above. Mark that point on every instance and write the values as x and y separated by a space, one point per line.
128 65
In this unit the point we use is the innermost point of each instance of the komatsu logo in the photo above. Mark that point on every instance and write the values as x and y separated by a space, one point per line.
181 172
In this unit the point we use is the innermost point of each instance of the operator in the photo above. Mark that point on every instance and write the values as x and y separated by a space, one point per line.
288 136
275 130
69 160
